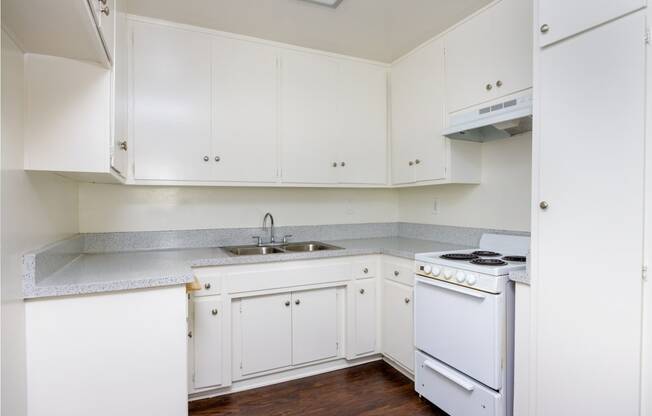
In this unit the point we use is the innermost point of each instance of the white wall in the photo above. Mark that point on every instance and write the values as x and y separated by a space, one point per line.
36 209
107 208
501 201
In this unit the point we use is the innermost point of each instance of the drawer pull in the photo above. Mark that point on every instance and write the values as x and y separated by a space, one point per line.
365 270
396 273
207 286
214 312
444 372
362 291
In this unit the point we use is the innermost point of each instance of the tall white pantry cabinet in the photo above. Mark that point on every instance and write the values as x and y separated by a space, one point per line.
589 200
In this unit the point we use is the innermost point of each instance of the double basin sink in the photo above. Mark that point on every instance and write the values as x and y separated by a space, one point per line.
304 247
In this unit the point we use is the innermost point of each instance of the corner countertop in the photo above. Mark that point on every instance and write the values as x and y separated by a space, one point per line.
109 272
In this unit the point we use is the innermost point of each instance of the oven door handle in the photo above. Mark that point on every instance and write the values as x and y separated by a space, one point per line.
444 372
452 288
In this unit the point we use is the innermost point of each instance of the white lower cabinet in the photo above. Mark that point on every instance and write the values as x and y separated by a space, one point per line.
398 323
314 325
365 328
265 329
207 343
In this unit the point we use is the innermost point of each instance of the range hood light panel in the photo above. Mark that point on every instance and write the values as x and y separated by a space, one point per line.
329 3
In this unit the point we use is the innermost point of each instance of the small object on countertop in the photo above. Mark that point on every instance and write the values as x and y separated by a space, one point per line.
193 286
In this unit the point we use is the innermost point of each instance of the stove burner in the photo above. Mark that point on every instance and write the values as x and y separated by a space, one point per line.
488 262
484 253
459 256
517 259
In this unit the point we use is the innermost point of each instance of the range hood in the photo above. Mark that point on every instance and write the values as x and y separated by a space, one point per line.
498 120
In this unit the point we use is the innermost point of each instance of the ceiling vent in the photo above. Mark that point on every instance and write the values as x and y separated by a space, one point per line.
328 3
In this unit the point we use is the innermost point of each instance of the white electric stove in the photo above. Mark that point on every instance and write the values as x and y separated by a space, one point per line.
464 320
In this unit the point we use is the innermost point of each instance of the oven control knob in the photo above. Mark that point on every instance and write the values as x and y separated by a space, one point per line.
471 279
427 269
460 277
448 274
436 271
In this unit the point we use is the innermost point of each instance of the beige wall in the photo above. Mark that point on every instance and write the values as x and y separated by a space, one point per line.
501 201
36 209
105 208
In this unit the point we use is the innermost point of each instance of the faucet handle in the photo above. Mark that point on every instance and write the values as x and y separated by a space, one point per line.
259 240
286 238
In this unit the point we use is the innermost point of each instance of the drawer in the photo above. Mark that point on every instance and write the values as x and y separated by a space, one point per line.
366 268
454 392
210 284
399 270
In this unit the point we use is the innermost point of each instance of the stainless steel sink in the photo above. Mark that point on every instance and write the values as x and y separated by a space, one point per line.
252 250
309 247
303 247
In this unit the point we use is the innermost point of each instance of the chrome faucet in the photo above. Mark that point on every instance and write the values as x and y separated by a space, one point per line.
271 228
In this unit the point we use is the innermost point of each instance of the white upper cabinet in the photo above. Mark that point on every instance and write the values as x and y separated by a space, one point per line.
490 55
419 151
559 19
309 128
362 108
119 156
171 103
245 92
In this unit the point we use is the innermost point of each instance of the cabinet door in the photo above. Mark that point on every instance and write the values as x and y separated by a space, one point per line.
490 47
591 167
266 331
398 323
365 316
314 325
244 111
119 156
107 24
418 148
309 118
207 337
362 108
172 103
567 18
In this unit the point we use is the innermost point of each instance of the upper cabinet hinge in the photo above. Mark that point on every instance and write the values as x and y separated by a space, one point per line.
644 274
647 35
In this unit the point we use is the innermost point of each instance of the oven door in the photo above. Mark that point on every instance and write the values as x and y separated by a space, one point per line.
464 328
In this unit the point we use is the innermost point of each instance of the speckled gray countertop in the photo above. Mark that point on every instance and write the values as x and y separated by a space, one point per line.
115 271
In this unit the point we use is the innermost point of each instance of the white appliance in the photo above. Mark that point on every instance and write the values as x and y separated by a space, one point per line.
464 326
498 120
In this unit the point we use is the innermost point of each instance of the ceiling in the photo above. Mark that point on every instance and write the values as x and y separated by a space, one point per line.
381 30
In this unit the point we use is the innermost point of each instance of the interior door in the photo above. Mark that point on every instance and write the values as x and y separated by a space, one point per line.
207 336
172 103
365 316
309 131
362 109
266 331
314 325
591 167
245 104
567 18
473 342
398 324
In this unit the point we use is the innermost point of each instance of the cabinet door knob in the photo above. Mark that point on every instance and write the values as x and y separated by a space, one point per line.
297 302
499 83
407 300
545 28
342 164
417 161
396 273
207 286
214 312
105 10
206 158
365 270
410 163
189 334
488 87
543 205
334 164
362 291
123 145
287 303
217 158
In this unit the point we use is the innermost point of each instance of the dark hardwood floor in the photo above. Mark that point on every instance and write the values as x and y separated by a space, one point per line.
369 389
